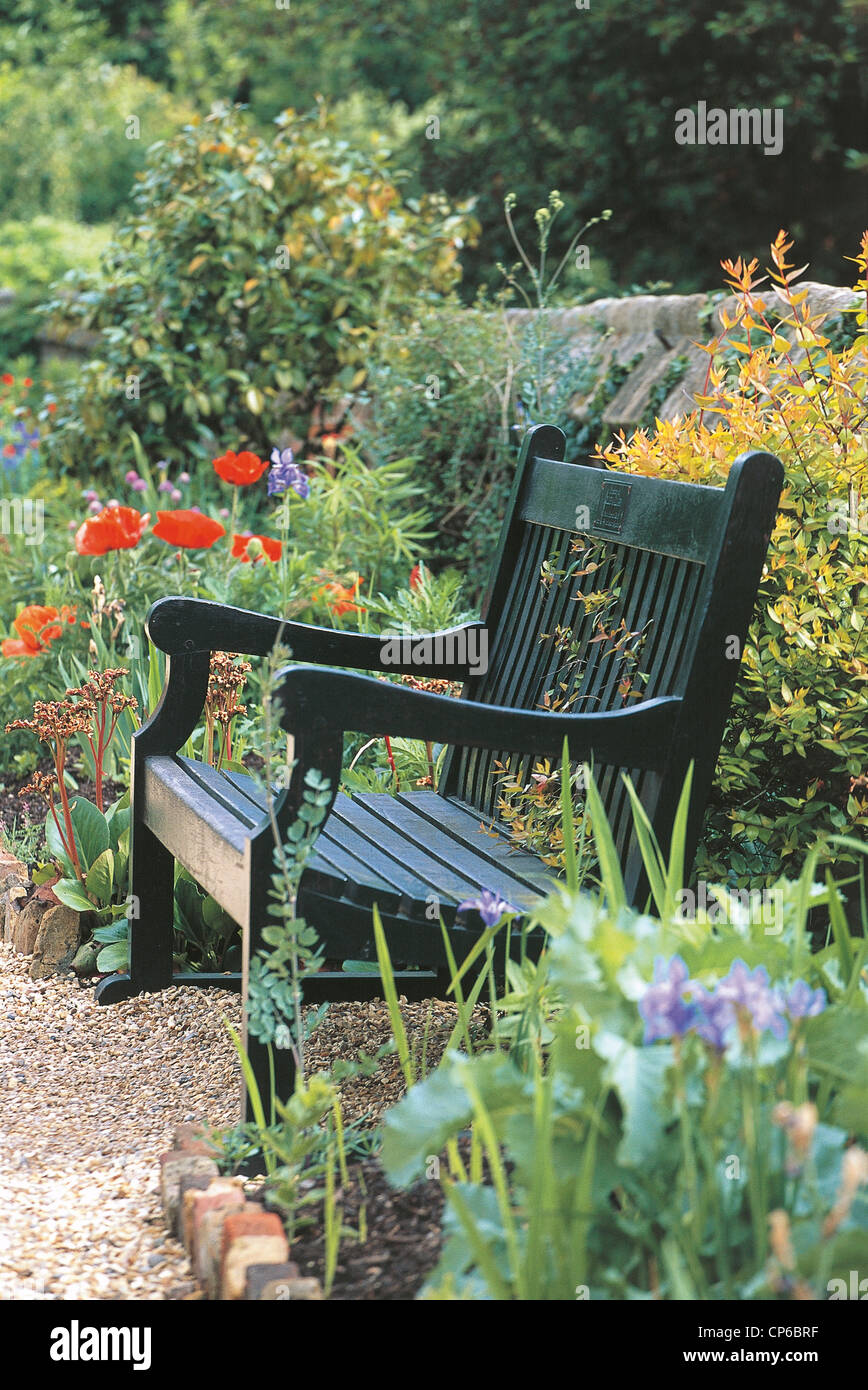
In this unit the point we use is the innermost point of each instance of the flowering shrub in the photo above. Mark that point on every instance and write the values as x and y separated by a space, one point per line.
243 304
795 753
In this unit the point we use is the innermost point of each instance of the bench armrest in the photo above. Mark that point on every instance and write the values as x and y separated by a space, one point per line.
319 704
188 625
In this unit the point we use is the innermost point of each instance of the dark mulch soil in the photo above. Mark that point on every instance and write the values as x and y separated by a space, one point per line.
18 812
402 1243
401 1228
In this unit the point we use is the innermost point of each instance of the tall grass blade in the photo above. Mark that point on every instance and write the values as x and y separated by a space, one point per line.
607 855
399 1032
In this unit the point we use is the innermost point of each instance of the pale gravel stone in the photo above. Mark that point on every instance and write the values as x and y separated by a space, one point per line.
89 1098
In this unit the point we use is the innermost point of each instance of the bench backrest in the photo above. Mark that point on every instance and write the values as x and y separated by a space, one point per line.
676 563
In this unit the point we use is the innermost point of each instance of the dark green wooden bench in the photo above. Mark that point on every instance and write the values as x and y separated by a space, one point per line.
685 562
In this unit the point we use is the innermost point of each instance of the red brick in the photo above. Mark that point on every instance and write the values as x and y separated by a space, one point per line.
192 1139
207 1249
174 1166
254 1222
249 1237
221 1192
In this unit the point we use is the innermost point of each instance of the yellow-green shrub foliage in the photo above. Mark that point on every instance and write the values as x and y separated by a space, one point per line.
795 757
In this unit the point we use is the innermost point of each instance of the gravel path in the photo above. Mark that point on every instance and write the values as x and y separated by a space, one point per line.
89 1097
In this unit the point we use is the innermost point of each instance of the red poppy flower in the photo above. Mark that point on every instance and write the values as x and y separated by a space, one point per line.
341 599
28 381
240 469
9 451
51 407
187 529
114 528
37 627
270 548
8 379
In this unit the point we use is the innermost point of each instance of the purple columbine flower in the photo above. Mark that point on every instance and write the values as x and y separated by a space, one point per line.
666 1012
804 1002
285 473
750 990
489 906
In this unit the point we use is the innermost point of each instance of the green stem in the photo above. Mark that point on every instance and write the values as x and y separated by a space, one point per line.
755 1178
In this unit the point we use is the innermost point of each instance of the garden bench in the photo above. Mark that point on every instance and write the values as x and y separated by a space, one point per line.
683 563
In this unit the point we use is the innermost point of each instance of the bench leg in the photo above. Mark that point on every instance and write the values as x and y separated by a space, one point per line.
152 891
281 1058
152 886
284 1075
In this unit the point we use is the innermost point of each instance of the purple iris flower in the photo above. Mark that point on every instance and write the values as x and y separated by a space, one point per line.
29 438
489 906
715 1017
750 990
666 1012
804 1002
285 473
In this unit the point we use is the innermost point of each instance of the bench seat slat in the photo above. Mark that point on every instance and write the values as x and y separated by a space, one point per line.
495 848
453 855
247 806
404 858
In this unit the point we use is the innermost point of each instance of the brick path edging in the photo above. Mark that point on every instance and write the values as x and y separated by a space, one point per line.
238 1250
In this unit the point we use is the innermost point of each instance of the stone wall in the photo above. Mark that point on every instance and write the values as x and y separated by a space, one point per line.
654 332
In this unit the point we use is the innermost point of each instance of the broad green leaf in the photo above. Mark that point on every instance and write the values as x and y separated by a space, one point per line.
638 1076
91 831
118 931
55 844
114 958
70 892
99 879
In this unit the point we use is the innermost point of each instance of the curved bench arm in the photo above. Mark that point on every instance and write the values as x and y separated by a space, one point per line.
188 625
318 704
